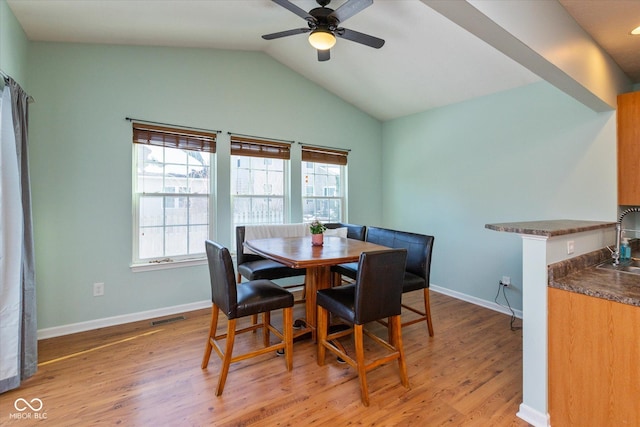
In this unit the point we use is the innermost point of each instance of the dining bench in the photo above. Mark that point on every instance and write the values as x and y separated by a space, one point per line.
417 270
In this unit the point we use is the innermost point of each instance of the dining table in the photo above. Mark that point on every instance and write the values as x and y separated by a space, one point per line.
298 252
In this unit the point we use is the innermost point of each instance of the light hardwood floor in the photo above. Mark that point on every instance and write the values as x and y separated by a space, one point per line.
468 374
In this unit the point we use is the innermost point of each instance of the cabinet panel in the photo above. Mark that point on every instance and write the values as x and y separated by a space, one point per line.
594 361
628 116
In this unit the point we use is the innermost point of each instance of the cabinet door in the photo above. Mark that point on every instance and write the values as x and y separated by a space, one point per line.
594 361
629 148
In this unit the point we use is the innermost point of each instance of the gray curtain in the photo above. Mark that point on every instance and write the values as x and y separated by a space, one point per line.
27 357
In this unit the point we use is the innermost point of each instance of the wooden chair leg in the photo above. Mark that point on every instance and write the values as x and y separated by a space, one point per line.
427 310
362 369
287 327
228 353
212 333
321 331
396 326
266 321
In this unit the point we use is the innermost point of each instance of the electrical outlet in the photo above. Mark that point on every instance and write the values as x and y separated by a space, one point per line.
98 289
570 247
506 281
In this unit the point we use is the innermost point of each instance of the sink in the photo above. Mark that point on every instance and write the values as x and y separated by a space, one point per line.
631 267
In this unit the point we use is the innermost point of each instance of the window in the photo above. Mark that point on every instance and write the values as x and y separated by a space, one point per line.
323 184
258 180
172 192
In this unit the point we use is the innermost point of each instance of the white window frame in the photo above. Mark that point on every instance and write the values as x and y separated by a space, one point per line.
173 261
341 196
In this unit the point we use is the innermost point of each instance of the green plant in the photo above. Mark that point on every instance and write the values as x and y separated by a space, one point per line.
316 227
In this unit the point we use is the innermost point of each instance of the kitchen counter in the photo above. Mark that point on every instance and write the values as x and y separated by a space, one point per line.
550 228
580 275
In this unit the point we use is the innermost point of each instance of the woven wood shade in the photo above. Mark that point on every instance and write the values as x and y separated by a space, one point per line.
184 139
324 155
255 147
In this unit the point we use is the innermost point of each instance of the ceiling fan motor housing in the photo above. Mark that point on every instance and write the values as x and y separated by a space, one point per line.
323 19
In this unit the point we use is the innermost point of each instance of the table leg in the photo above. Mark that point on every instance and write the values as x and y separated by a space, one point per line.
317 278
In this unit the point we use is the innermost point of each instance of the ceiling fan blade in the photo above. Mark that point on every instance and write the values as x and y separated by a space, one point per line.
350 8
285 33
361 38
323 55
295 9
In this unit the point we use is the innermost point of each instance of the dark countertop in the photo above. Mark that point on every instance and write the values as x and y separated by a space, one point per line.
581 275
550 228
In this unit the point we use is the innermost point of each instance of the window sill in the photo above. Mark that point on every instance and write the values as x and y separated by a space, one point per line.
151 266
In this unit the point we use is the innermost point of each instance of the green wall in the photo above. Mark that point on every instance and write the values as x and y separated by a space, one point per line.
531 153
13 46
81 159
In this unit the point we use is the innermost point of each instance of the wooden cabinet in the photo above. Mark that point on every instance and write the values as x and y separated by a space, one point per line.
629 148
594 361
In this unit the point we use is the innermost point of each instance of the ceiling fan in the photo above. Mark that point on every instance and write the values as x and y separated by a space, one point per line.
323 24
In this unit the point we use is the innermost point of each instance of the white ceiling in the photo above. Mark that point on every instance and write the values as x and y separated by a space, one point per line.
426 62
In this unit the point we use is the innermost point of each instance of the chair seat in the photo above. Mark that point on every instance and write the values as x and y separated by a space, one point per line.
412 282
268 269
349 269
339 300
260 296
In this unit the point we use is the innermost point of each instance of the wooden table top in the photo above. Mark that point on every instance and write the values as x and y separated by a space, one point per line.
298 252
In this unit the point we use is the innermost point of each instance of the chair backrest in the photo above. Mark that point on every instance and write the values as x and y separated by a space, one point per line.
418 246
242 257
379 285
353 231
223 285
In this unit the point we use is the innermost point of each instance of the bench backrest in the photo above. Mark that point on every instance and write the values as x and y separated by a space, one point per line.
418 246
353 231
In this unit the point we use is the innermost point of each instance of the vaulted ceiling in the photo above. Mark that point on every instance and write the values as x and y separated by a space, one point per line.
427 61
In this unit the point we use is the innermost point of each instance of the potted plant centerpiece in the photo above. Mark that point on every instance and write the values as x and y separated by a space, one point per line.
317 229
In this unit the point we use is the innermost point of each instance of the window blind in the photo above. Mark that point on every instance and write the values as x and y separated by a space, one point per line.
324 155
258 147
168 137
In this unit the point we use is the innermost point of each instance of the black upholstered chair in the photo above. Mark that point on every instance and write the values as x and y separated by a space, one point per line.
236 301
416 277
252 266
376 294
354 231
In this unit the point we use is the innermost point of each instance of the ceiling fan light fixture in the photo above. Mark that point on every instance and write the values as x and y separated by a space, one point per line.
636 31
322 39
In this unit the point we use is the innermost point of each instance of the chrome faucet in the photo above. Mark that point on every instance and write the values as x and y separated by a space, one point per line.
616 254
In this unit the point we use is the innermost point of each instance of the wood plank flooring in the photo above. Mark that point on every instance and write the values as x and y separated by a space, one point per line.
468 374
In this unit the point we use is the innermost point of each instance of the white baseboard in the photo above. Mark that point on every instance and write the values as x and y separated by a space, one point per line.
533 417
477 301
166 311
119 320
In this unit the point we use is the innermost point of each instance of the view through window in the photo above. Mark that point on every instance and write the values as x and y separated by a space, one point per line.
259 169
172 193
323 177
